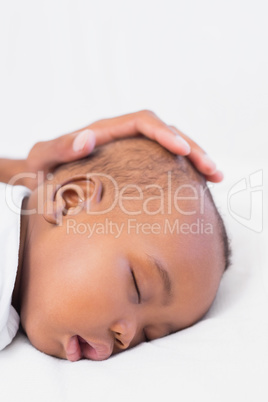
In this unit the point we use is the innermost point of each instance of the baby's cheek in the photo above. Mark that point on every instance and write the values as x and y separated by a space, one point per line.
34 332
41 336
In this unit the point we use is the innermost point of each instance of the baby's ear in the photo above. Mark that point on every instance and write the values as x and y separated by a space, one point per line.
70 198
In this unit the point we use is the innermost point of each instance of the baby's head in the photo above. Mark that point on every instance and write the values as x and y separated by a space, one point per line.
126 246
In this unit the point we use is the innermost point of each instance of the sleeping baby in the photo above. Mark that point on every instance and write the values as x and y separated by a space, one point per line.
122 247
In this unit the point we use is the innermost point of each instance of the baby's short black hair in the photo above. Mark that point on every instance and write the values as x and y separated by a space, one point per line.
142 161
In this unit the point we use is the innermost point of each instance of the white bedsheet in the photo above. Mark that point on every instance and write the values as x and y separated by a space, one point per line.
201 66
223 357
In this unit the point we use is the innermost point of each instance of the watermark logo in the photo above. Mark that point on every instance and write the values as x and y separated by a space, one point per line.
132 199
132 226
244 198
249 192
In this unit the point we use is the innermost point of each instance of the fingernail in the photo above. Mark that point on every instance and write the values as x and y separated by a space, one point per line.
220 174
184 143
81 139
209 162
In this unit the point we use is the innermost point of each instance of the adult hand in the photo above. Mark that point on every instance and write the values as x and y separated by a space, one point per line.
46 155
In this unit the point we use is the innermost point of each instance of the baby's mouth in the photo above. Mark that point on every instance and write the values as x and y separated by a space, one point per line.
78 348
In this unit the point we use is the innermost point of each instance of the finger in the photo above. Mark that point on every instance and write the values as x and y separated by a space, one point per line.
200 159
67 148
84 142
157 130
217 177
143 122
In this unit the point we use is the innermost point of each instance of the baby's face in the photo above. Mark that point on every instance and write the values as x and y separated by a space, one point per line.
93 291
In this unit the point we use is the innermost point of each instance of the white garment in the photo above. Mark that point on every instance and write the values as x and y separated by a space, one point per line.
11 198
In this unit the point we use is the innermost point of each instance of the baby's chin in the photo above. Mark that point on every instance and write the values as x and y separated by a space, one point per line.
47 346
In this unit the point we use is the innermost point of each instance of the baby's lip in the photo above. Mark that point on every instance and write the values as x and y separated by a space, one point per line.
73 349
78 348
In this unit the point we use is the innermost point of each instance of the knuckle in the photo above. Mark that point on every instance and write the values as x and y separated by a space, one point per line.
33 154
146 112
37 146
35 159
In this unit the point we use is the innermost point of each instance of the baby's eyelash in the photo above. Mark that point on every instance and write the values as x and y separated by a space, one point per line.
136 286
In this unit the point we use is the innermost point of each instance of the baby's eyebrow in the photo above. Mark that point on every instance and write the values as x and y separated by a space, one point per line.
165 278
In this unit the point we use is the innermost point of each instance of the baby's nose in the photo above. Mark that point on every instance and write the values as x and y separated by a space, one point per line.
124 331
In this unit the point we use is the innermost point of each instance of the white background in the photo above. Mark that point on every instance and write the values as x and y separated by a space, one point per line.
202 66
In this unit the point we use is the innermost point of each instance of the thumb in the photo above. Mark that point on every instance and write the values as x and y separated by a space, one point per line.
66 148
83 143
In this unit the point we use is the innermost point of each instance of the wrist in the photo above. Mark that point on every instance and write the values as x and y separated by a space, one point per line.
12 171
